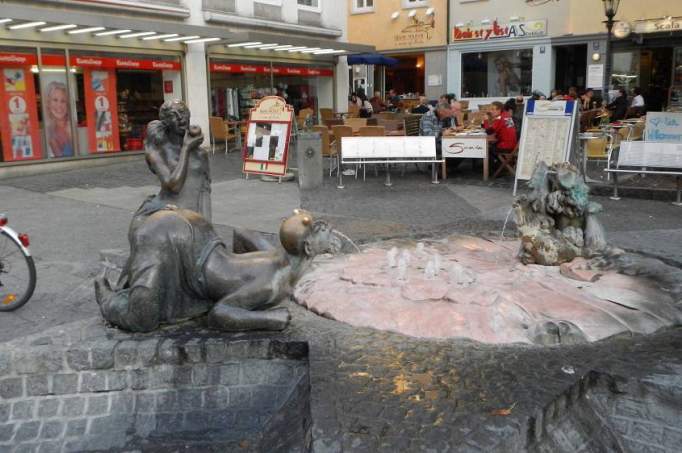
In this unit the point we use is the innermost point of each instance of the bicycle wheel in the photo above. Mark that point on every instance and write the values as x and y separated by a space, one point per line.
17 274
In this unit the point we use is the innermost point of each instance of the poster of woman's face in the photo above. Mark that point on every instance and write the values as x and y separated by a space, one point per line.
57 114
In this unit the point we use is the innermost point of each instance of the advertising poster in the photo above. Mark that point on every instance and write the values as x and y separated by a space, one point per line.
57 114
267 137
19 115
101 111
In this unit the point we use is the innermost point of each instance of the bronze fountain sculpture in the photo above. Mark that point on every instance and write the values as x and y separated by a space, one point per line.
179 268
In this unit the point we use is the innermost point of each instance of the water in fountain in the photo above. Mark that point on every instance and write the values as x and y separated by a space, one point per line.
391 257
504 227
350 241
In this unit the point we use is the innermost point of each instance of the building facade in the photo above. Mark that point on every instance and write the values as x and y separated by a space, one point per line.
82 78
502 48
412 31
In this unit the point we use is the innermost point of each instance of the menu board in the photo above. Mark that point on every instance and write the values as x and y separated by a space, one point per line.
267 137
546 135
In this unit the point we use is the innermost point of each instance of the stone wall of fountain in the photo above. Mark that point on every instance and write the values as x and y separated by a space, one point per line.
88 388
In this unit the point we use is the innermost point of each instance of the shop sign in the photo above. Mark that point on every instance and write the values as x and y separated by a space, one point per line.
515 30
265 69
87 62
101 110
17 59
267 137
417 32
19 114
657 25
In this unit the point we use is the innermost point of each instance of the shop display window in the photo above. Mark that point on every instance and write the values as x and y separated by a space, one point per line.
97 103
497 74
235 87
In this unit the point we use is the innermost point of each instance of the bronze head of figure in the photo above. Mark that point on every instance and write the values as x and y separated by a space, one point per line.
174 116
301 235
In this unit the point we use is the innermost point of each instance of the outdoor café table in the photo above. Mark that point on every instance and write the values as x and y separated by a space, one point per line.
472 145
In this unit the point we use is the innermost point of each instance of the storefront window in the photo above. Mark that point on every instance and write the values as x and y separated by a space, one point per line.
497 74
236 87
119 94
97 103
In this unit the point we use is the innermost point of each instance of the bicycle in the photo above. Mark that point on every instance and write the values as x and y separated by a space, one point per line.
17 269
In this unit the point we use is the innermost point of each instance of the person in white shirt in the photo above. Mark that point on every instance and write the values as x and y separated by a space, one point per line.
638 100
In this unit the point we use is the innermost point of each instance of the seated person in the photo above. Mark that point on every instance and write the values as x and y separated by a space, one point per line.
378 104
619 106
638 106
457 112
500 127
394 101
423 106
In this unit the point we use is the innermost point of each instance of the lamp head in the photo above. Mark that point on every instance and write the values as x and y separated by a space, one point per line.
611 7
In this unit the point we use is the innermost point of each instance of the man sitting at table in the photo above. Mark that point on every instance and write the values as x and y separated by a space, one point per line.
500 129
423 106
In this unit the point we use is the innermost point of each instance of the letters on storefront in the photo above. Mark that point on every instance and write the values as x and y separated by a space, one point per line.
265 69
88 62
501 31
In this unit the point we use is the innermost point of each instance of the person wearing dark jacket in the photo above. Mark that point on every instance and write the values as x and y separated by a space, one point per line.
619 106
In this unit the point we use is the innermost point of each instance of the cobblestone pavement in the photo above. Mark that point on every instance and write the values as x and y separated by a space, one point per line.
378 391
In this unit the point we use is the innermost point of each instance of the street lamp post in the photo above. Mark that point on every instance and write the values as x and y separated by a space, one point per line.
610 10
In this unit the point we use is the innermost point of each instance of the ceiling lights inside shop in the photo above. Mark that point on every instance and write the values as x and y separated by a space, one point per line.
285 47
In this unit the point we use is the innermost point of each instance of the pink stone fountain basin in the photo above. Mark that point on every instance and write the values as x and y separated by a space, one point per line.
468 287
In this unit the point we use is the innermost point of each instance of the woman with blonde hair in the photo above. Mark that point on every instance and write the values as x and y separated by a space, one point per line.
58 124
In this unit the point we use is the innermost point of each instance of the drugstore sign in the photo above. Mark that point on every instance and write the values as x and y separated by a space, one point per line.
501 31
88 62
265 69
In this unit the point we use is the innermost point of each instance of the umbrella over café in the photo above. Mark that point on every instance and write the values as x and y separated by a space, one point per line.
372 58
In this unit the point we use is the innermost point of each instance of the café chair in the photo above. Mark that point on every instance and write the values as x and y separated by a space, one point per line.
596 149
372 121
355 123
507 161
332 122
303 115
393 127
219 131
328 150
326 114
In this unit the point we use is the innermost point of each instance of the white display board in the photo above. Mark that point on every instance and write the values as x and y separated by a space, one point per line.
407 147
663 127
465 147
546 135
649 154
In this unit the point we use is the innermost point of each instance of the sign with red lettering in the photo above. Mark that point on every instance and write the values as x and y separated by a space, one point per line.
267 137
501 31
19 114
89 62
101 110
265 69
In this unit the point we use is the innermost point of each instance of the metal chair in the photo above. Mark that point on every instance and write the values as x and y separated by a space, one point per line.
219 131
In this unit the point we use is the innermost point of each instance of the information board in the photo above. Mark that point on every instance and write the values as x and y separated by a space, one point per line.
546 135
267 137
403 147
465 147
663 127
648 154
